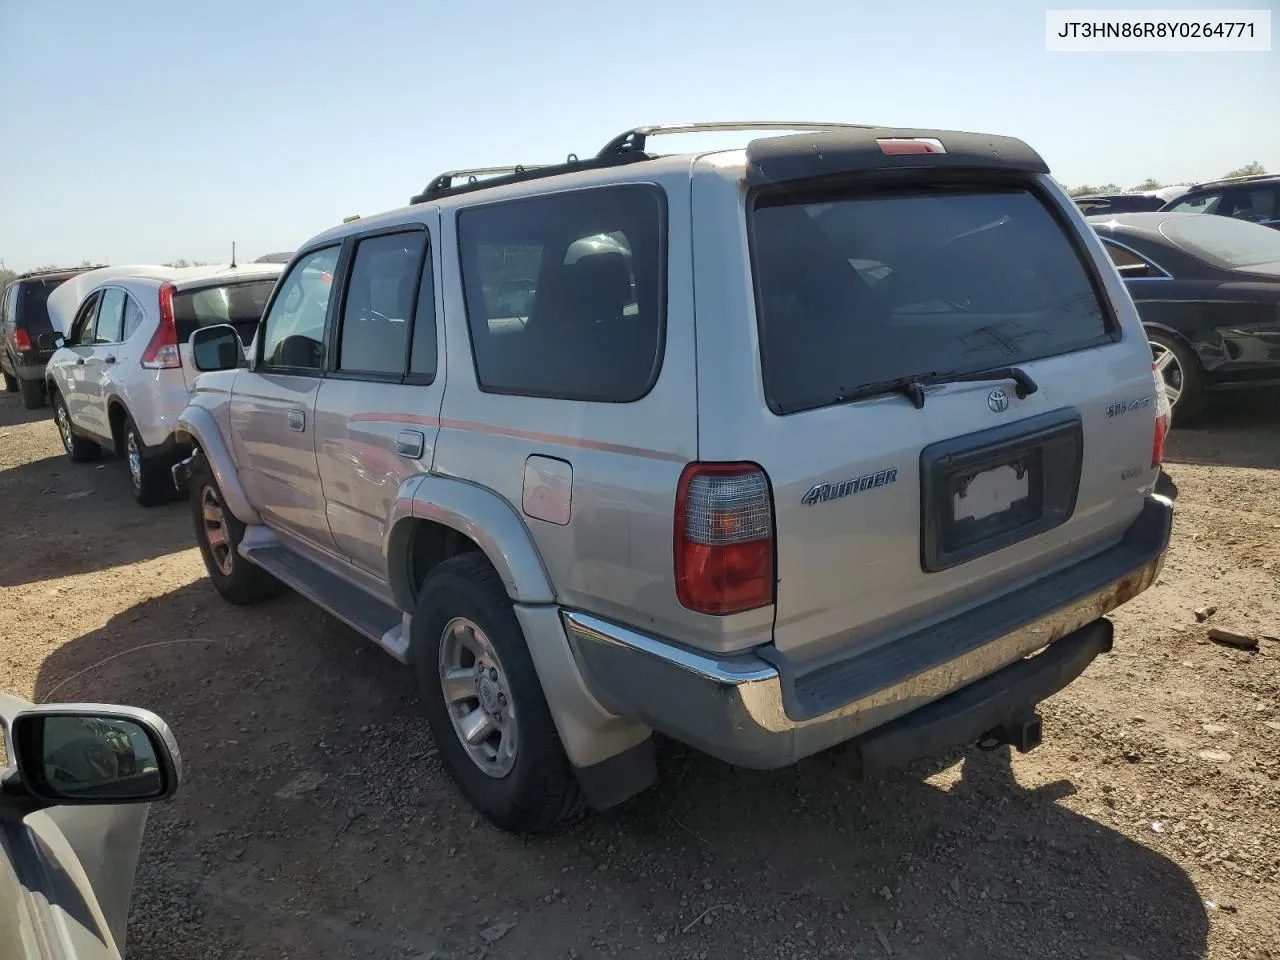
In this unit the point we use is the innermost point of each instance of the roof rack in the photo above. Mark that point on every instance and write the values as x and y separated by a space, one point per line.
53 271
633 140
1240 179
626 147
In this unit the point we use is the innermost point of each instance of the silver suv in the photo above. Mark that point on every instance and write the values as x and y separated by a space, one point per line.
849 435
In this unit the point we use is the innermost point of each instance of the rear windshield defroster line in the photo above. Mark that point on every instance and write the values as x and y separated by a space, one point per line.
856 288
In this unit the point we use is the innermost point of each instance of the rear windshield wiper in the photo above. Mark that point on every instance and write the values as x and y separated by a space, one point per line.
912 387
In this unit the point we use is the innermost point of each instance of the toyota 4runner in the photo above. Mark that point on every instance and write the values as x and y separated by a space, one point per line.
847 436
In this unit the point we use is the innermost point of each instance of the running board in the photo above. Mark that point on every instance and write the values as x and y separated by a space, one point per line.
381 623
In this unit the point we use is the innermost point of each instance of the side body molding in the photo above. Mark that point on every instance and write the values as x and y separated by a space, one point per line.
199 424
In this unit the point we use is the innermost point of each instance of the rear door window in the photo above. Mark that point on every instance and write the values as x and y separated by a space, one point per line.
239 304
854 289
110 316
565 293
379 303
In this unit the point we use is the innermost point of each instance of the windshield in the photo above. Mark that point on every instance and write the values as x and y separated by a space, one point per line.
239 304
1224 241
856 289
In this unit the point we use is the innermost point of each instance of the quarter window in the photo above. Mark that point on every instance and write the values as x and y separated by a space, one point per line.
1129 263
293 335
565 293
133 317
379 304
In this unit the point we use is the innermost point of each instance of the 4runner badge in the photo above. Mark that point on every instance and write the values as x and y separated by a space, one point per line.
822 492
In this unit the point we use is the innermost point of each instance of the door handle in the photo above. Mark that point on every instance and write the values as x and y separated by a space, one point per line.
108 359
409 444
79 361
297 420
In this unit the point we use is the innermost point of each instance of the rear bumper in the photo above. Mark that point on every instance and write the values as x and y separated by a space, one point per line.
30 370
903 699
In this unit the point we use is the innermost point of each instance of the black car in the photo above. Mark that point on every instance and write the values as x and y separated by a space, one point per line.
1255 198
1097 204
1208 292
24 316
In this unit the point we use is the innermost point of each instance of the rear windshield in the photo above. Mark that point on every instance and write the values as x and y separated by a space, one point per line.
33 299
853 289
1224 241
239 304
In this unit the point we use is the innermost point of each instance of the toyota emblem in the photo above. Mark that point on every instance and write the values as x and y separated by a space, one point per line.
998 400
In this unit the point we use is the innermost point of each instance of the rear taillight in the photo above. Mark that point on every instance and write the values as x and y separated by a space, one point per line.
1163 412
22 340
162 351
724 538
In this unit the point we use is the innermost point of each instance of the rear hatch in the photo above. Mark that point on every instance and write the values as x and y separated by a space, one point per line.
239 303
1018 436
33 314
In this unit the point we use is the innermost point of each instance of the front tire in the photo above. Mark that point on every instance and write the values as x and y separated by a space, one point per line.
79 450
1183 377
484 702
149 479
218 533
32 393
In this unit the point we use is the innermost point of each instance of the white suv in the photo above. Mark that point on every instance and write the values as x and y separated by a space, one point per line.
122 372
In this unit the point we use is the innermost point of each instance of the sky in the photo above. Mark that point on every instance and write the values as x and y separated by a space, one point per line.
142 132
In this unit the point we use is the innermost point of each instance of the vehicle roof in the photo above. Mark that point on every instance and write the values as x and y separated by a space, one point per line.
66 299
1232 181
1139 222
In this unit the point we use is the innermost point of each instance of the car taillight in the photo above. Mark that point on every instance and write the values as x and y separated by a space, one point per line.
22 340
1163 412
162 352
724 538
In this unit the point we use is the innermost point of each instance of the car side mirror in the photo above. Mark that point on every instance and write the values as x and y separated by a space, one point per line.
51 341
92 754
216 348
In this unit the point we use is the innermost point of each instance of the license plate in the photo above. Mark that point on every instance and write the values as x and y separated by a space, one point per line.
991 492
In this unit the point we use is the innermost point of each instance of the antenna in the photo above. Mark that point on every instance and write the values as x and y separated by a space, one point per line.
233 253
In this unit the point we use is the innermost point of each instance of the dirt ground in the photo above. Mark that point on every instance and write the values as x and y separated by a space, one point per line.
316 822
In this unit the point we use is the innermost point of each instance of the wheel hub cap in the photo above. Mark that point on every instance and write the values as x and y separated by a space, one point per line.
64 426
135 460
478 697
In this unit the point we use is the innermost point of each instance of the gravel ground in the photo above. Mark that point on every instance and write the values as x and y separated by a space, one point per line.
316 822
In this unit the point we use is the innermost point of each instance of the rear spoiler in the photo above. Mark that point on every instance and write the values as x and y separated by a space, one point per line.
776 160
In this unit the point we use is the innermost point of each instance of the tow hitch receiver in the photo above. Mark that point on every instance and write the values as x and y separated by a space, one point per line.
1023 734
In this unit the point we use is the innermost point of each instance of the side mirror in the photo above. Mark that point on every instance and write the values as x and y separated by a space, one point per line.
51 341
216 348
92 754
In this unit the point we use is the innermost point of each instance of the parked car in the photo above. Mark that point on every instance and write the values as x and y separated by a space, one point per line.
121 375
1208 292
1118 203
724 482
75 785
24 316
1253 198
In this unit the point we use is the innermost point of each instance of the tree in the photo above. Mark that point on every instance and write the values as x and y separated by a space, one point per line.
1148 184
1251 169
6 276
1086 190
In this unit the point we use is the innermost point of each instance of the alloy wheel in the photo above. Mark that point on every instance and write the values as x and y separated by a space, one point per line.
134 456
215 530
1169 369
64 425
478 697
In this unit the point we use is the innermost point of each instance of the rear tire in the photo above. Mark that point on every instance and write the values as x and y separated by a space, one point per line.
149 479
10 383
32 393
536 788
218 533
78 448
1182 373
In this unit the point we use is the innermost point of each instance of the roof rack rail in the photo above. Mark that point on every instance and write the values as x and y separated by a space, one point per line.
633 140
1241 179
627 147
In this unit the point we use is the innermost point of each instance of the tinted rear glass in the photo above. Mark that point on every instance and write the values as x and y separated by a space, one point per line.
239 304
33 298
853 289
1224 241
